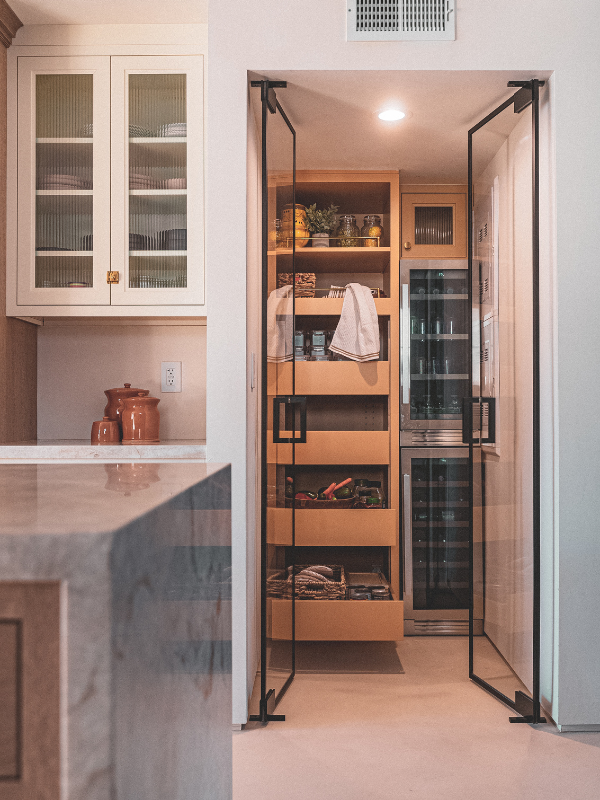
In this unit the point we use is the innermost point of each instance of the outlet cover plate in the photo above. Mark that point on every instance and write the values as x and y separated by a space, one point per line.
170 376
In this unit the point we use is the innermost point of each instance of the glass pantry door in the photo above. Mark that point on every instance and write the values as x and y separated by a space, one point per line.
157 180
501 421
283 414
64 181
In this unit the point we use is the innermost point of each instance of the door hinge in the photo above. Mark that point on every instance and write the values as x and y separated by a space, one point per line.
112 277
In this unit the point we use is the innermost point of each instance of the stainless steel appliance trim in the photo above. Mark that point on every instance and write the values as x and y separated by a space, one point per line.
408 580
405 347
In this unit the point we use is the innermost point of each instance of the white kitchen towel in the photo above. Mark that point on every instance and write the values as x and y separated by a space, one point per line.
357 333
280 329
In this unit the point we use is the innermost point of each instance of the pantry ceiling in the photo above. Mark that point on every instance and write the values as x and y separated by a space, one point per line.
335 117
116 12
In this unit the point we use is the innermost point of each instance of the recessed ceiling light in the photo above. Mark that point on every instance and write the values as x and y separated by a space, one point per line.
391 115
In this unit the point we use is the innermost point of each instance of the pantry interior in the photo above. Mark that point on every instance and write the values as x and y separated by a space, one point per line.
363 420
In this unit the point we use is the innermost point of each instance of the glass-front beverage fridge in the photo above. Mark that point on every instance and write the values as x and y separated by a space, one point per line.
435 326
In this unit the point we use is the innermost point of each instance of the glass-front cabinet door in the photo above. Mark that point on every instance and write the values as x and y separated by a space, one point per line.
63 249
435 343
157 175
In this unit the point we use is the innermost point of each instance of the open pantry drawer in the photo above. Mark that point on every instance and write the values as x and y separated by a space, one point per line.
345 527
337 620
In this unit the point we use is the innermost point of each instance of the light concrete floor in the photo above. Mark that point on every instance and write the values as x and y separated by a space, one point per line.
429 733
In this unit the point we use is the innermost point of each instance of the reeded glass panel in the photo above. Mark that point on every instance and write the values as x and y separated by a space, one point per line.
440 544
434 225
64 181
157 181
439 343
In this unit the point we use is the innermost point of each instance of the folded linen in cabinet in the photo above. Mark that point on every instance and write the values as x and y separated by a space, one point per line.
357 334
280 329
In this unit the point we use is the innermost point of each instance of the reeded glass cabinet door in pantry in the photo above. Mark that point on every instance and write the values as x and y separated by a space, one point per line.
64 181
156 178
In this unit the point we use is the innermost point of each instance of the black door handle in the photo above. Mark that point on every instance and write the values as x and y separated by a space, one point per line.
289 400
467 420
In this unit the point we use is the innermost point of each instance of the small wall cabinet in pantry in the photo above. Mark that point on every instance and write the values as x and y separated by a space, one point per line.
434 222
110 167
352 419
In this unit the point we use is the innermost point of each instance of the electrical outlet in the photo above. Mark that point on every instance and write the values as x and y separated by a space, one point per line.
170 376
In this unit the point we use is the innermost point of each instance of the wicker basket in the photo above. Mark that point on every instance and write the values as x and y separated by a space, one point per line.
279 585
305 282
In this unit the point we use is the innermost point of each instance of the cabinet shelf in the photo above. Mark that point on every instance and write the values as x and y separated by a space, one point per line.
345 527
437 336
153 192
338 620
62 253
158 139
156 253
313 306
434 377
440 296
50 192
64 140
447 523
339 259
440 504
419 484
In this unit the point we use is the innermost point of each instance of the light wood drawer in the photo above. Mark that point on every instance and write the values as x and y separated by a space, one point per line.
339 620
344 527
334 447
330 378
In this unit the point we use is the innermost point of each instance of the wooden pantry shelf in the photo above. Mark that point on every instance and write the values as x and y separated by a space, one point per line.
311 306
344 527
339 259
330 378
333 447
337 620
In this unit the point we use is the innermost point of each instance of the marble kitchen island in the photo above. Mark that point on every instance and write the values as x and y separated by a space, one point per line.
115 631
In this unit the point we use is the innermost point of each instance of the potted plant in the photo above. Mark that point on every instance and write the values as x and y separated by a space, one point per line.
321 223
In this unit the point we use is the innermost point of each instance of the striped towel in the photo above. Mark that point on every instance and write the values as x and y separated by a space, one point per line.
357 334
280 328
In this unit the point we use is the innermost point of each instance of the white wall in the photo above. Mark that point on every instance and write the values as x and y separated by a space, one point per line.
76 363
524 37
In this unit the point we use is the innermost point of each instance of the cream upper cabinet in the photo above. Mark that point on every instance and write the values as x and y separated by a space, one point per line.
109 164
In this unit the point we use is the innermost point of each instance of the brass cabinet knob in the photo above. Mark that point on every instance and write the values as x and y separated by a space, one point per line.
407 245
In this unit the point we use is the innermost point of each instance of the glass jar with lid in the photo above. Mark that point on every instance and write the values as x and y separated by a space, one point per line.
371 231
348 232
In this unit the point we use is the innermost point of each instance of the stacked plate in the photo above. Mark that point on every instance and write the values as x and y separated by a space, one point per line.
173 239
137 241
173 129
141 181
57 182
135 131
175 183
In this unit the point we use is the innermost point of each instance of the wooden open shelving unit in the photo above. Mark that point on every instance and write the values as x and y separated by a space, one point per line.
357 193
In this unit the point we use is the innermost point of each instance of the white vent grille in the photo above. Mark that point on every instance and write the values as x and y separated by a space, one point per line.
400 20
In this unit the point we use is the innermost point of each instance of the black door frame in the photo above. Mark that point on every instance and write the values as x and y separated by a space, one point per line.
528 708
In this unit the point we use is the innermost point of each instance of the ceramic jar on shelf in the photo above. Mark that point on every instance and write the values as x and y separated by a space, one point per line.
295 217
116 397
140 419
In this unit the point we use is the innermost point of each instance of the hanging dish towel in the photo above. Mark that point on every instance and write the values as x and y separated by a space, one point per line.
280 331
357 333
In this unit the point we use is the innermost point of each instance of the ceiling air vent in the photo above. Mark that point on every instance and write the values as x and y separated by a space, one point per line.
400 20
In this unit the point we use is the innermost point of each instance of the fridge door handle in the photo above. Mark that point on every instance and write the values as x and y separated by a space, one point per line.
405 345
289 400
407 509
467 420
468 429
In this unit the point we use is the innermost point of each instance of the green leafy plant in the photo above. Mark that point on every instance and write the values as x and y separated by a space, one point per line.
321 221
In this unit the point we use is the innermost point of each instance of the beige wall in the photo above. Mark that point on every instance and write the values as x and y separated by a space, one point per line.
17 339
77 363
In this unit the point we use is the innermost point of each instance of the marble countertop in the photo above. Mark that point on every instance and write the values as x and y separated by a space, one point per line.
74 450
89 498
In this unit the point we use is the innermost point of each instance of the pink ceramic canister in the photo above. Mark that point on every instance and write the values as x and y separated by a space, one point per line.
106 431
116 396
140 419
